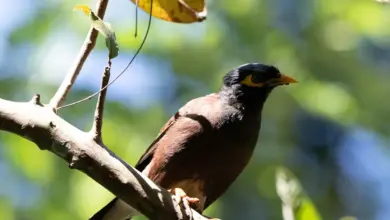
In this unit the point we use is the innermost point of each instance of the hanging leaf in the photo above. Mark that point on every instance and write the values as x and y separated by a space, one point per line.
104 28
180 11
296 205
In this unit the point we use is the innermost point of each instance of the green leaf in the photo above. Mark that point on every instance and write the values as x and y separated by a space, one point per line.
104 28
296 205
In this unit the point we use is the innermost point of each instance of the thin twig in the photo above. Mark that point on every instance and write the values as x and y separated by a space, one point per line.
71 76
98 119
124 70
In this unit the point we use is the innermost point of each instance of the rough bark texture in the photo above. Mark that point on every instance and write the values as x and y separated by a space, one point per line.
48 131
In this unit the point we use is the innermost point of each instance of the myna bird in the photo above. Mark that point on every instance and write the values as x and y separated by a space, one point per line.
203 148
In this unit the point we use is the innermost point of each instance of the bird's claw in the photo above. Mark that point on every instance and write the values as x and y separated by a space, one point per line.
187 201
181 196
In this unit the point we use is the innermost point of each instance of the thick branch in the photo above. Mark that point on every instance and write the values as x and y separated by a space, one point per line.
71 76
94 159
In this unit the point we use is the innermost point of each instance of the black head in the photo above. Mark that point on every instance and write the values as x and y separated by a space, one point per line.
251 83
256 76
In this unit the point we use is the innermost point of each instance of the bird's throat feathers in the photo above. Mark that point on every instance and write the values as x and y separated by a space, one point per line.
245 98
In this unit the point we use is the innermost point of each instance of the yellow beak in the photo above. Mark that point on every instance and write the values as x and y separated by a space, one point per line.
285 80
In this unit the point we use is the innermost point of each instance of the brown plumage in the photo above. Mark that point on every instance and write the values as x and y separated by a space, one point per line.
205 146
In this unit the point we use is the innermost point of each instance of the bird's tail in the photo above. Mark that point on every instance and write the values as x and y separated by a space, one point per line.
115 210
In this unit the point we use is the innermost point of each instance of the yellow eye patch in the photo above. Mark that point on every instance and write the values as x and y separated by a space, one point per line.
249 82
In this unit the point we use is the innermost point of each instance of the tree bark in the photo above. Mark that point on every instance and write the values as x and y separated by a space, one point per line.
39 124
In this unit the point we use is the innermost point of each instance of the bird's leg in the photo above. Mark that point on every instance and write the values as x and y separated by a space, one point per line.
181 194
187 201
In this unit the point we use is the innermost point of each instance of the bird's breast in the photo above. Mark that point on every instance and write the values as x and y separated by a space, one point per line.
204 151
228 148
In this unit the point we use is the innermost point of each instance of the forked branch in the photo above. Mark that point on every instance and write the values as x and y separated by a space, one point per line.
73 72
83 153
86 152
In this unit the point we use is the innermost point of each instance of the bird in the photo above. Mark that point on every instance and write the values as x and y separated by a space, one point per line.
208 142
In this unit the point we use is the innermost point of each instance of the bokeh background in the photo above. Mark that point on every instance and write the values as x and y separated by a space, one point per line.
331 129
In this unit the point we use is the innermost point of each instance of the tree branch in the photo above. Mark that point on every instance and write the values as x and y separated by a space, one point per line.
98 119
83 153
71 76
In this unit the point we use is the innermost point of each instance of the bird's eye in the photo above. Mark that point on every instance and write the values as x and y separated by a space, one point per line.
254 80
259 78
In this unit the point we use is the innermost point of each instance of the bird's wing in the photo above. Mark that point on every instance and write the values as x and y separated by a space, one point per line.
191 109
194 107
148 155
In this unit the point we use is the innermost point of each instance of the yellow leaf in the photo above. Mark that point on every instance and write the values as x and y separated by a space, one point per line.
83 8
180 11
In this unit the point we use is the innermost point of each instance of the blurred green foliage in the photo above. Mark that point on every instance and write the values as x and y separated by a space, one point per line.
338 50
296 205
